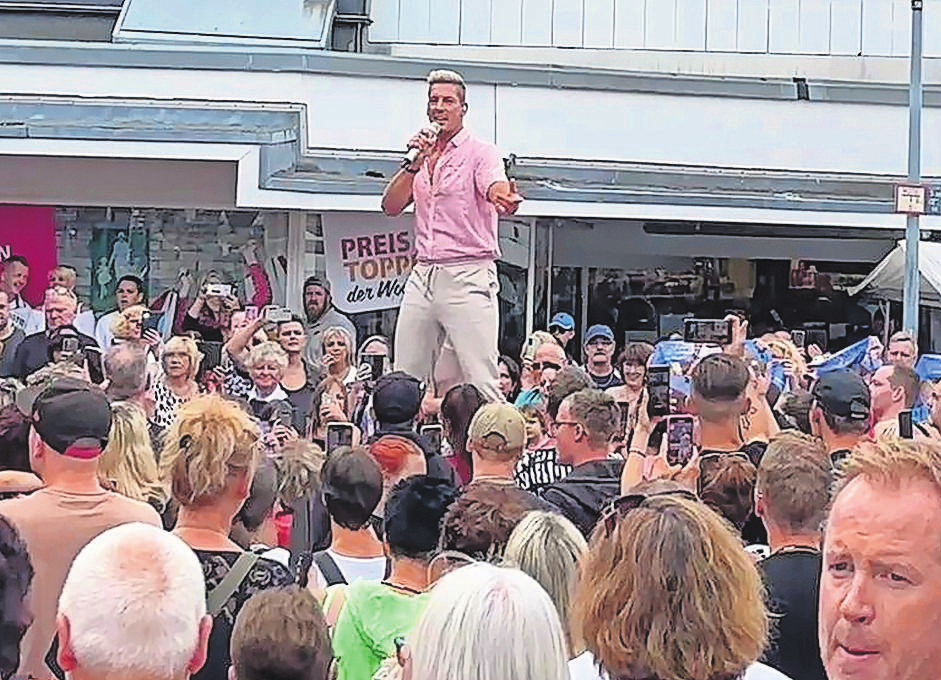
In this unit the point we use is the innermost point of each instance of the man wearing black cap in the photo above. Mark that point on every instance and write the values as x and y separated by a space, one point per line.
396 402
71 422
321 315
839 414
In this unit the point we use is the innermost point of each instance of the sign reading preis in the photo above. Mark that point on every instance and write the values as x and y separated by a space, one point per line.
369 258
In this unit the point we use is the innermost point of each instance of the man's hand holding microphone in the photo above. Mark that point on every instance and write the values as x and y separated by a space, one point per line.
420 147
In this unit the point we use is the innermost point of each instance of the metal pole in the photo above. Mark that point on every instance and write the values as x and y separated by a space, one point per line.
531 279
549 272
912 233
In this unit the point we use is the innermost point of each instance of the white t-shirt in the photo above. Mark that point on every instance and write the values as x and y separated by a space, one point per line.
352 568
584 668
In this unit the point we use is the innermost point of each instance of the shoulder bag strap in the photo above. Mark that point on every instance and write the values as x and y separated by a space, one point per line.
329 568
218 596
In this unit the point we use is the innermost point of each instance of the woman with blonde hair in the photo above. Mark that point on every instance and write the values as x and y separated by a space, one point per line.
339 348
127 463
547 546
667 592
176 384
209 459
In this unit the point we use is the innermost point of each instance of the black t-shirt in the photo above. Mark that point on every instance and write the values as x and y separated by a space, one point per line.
603 382
793 581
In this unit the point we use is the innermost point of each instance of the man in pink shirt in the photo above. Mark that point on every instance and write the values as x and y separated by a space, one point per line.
459 188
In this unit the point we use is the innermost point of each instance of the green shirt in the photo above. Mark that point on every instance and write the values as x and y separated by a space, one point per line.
372 618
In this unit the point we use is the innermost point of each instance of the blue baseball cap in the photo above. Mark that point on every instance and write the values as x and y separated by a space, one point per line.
599 331
563 321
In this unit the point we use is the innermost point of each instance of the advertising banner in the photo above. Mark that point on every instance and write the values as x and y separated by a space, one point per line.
369 258
30 231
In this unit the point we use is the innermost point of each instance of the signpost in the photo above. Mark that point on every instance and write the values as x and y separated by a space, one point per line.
913 196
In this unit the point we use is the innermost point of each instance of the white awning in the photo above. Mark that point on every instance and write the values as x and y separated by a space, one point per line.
887 280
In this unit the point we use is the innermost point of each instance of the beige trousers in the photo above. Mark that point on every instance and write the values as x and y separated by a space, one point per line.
456 303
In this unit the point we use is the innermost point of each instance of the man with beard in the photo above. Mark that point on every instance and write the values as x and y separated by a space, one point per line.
599 348
321 315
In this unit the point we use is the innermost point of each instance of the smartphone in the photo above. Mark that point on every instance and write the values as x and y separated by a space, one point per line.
658 391
212 355
433 434
817 336
532 344
96 373
625 409
679 439
338 436
70 345
277 314
152 322
251 313
376 362
708 331
799 337
906 430
218 290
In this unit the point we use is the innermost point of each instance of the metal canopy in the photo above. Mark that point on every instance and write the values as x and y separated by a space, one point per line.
257 23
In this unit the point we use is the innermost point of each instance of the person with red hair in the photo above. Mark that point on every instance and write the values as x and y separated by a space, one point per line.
398 458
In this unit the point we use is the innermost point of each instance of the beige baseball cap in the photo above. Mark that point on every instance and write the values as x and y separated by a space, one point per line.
498 427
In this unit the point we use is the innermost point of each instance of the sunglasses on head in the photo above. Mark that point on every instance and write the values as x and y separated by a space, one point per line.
623 505
541 366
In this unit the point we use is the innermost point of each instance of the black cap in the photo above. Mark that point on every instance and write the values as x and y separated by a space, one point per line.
72 418
397 397
843 393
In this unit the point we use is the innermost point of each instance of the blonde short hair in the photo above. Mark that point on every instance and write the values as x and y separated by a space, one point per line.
891 461
548 547
346 335
185 345
211 439
441 75
121 326
268 351
298 465
59 291
67 271
128 461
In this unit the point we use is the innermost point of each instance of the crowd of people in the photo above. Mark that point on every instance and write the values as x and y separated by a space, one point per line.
175 521
242 493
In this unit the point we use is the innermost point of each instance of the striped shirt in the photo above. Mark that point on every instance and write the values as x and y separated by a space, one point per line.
540 468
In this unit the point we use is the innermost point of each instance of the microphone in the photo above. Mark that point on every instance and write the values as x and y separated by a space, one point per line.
412 154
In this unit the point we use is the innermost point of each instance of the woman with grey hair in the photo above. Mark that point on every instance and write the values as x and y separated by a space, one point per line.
269 402
501 605
339 348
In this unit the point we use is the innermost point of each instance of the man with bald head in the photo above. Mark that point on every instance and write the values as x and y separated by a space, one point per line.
60 308
880 589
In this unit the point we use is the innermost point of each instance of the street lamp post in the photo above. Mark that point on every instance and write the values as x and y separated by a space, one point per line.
912 232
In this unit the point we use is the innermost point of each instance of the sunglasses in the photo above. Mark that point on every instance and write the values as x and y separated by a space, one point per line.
537 366
620 507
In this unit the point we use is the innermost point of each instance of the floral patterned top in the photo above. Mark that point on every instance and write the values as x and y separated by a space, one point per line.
264 575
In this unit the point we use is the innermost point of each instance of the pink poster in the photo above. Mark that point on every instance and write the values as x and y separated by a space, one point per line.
30 231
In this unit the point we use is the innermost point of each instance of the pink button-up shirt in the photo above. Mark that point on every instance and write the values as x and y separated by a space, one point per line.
454 222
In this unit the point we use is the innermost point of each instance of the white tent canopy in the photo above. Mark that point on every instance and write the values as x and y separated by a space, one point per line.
887 280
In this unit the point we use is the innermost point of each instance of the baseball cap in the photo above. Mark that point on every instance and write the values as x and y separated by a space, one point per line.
396 397
843 393
563 321
599 331
72 418
498 427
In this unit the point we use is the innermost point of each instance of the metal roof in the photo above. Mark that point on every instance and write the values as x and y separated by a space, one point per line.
261 23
